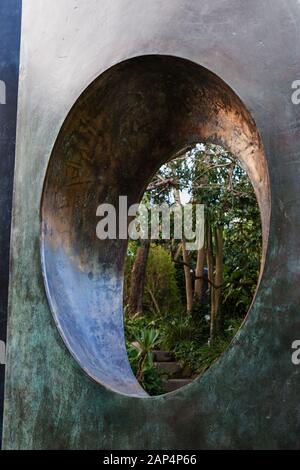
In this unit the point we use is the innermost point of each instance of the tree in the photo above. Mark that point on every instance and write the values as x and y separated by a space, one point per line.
161 294
212 176
215 283
138 274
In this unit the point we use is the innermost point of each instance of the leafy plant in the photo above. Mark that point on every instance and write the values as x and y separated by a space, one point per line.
181 327
145 344
140 354
199 357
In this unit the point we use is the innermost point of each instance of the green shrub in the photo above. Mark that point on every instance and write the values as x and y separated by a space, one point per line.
199 356
175 329
140 355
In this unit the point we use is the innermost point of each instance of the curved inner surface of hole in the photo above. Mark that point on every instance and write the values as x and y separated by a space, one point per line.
128 122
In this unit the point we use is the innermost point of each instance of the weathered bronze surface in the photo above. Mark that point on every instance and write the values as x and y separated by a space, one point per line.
125 120
10 25
120 131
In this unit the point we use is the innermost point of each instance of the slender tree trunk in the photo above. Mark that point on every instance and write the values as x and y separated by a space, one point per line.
186 261
154 301
179 248
210 265
218 275
199 275
215 275
188 278
138 275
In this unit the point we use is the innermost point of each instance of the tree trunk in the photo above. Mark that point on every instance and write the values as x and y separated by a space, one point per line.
188 278
210 265
154 301
199 275
218 275
215 275
186 261
138 275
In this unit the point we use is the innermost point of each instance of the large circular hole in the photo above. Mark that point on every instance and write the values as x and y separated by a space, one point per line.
129 121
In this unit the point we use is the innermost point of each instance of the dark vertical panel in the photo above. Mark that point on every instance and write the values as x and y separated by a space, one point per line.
10 25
